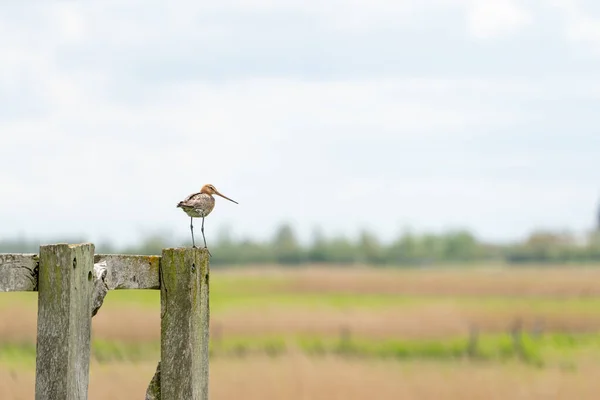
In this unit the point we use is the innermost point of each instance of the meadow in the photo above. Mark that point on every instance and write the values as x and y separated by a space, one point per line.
352 332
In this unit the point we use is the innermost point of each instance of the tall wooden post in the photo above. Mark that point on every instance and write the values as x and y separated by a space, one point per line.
65 286
184 291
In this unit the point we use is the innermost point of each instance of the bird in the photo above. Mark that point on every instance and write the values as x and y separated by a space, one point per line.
199 205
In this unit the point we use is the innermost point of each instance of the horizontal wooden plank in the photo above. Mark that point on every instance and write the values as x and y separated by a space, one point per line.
129 271
18 272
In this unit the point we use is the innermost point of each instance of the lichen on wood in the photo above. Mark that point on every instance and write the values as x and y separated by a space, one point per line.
18 272
153 391
184 324
64 321
130 271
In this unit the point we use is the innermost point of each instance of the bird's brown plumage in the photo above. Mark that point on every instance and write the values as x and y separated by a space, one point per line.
199 205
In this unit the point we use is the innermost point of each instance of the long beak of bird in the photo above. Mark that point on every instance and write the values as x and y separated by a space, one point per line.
225 197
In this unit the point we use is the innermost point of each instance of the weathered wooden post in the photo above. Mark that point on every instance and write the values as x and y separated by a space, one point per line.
184 290
65 286
71 289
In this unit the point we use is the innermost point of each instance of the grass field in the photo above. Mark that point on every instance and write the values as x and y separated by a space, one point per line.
351 333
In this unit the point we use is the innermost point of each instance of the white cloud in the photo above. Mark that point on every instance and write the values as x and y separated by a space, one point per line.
70 22
109 149
130 163
580 26
490 19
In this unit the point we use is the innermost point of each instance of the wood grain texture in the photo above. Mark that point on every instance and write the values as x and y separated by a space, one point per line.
184 324
130 271
153 391
64 321
18 272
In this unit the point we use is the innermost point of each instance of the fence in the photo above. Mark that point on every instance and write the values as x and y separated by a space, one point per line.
72 282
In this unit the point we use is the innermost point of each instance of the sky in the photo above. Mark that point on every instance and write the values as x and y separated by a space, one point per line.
427 115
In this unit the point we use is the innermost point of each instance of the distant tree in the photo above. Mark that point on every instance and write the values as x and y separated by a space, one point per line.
20 245
544 246
461 246
106 247
151 245
286 248
318 249
252 252
433 246
405 250
341 250
369 249
224 236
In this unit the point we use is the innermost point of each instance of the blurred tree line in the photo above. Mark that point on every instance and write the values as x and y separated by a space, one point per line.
409 249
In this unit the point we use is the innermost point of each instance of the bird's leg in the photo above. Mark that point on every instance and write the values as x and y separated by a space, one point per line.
202 230
192 229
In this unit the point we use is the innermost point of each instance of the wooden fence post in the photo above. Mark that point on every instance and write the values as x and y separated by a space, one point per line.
64 321
184 275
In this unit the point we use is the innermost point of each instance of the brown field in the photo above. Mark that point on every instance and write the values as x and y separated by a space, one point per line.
433 321
440 303
298 377
370 303
500 280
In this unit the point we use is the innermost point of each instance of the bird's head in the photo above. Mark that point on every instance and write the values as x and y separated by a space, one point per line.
210 189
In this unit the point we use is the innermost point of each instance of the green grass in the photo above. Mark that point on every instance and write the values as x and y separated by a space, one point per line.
23 354
17 354
110 351
489 347
241 293
235 292
134 298
551 348
381 301
21 299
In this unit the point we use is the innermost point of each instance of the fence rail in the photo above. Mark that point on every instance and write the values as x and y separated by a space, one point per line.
72 282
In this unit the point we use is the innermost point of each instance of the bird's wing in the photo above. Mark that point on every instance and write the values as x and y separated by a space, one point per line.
191 197
189 201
